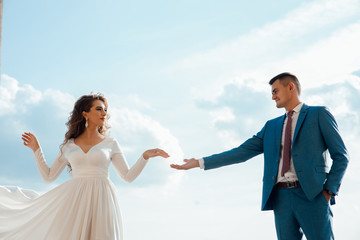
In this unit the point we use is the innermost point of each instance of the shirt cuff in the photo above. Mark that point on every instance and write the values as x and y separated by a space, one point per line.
201 163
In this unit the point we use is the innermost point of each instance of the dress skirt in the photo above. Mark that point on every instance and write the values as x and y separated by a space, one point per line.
83 208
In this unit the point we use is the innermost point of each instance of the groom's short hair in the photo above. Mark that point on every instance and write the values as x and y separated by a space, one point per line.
285 78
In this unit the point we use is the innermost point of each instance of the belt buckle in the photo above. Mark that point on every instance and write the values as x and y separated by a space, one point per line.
290 184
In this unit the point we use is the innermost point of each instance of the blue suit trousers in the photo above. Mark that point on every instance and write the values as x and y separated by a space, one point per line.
296 215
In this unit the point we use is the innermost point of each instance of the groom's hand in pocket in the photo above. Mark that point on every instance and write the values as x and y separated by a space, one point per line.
189 163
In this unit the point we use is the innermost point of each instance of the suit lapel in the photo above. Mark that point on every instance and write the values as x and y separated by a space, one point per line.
278 131
302 115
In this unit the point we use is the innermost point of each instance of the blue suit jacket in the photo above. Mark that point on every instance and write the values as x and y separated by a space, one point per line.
316 132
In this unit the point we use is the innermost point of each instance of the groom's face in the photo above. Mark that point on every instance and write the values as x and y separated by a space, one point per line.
280 93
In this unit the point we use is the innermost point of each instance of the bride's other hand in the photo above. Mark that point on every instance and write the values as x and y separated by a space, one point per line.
30 141
155 153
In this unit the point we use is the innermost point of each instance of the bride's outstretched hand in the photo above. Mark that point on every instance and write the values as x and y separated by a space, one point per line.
155 153
30 141
189 163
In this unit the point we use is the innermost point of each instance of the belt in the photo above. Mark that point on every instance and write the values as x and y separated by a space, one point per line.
288 184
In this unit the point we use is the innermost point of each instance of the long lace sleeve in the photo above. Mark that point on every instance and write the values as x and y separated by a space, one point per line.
49 174
121 167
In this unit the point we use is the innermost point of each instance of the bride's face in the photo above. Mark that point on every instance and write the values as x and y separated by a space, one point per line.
97 114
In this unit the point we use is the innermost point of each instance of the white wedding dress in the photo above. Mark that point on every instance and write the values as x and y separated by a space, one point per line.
83 208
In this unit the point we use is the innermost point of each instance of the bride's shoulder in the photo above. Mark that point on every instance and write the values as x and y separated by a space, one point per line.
65 147
115 146
110 140
67 144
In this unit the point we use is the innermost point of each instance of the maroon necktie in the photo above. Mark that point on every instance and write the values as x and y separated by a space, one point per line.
287 145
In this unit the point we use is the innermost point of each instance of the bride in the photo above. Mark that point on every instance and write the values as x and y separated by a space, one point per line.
85 207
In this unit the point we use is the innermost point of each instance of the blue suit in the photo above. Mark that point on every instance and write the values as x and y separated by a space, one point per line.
316 132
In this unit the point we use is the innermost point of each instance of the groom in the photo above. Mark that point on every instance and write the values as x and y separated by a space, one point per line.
298 184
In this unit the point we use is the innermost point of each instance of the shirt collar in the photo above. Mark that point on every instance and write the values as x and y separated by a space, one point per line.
297 108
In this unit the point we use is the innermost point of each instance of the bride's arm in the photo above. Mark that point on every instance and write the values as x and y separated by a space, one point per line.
47 174
122 168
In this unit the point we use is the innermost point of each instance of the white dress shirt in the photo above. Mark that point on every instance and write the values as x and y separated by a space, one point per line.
289 176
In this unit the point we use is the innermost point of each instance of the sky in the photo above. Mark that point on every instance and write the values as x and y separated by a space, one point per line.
190 77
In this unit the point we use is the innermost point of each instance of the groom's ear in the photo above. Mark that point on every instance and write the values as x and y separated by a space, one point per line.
291 86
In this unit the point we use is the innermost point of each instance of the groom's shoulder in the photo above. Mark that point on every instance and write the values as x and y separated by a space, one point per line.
277 119
274 122
318 109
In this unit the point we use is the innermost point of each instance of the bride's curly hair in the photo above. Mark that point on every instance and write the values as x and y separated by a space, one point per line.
76 122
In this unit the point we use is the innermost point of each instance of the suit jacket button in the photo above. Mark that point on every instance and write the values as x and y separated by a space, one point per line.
273 178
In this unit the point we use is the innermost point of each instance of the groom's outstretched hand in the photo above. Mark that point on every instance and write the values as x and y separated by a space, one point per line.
189 163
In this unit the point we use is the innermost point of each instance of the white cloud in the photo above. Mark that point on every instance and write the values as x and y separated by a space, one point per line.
328 61
342 98
15 98
269 40
308 41
136 133
8 87
194 203
224 114
63 101
131 123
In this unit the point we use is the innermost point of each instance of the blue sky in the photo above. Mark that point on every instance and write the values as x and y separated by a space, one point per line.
190 77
